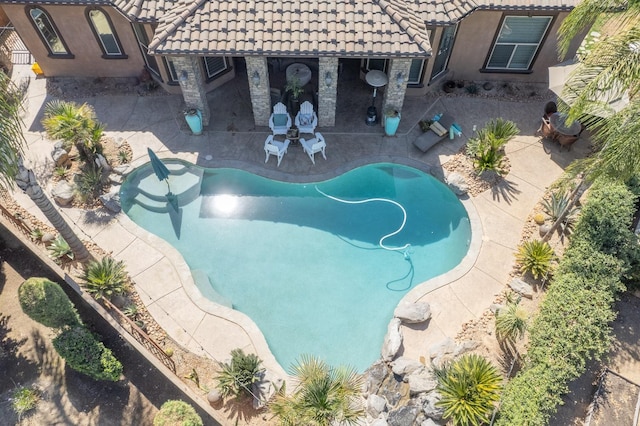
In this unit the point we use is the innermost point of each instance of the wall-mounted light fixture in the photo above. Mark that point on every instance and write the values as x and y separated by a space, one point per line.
400 79
183 76
256 78
328 78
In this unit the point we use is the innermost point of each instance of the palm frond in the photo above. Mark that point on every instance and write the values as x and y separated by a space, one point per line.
11 137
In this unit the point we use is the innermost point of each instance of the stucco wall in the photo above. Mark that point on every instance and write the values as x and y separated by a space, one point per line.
74 28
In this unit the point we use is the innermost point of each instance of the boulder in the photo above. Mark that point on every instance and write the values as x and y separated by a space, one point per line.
413 313
116 179
429 407
422 381
544 229
495 307
521 287
264 389
111 201
392 340
121 169
60 156
379 422
214 396
403 365
457 183
375 375
447 346
47 237
466 346
62 193
102 163
403 416
429 422
376 405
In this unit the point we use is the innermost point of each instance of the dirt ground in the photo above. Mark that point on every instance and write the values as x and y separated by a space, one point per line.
68 397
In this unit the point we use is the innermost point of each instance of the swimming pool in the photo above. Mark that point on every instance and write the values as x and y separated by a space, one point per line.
319 267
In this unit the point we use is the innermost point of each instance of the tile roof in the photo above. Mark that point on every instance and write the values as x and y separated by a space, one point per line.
279 27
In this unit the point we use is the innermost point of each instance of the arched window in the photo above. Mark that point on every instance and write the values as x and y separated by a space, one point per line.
48 32
103 30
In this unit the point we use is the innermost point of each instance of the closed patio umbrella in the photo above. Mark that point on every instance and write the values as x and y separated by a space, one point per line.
560 74
162 172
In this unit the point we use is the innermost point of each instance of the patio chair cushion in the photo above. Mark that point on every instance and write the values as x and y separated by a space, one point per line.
438 128
280 120
306 119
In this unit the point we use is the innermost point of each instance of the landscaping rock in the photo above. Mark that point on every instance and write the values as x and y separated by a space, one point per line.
429 407
379 422
495 307
465 346
374 376
116 179
392 341
544 229
119 301
62 193
111 201
429 422
403 366
457 183
447 346
214 396
375 405
60 156
403 416
521 287
422 381
121 169
264 389
47 237
102 163
413 313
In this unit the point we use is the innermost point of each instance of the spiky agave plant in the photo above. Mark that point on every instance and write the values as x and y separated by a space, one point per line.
105 278
469 387
237 375
556 205
535 256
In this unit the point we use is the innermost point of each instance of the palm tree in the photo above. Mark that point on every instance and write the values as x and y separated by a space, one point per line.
13 171
609 69
324 396
469 387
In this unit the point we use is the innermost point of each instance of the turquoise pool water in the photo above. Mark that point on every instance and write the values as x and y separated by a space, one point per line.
308 268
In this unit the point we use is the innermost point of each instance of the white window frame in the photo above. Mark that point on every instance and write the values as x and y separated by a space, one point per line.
536 44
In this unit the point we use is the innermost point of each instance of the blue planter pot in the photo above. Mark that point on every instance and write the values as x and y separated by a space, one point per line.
391 124
194 120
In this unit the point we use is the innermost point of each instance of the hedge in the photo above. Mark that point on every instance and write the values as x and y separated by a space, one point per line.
573 323
45 302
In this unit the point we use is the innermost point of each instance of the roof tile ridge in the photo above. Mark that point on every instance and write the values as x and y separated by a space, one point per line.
405 16
167 29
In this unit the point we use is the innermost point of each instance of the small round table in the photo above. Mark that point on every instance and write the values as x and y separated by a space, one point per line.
557 121
299 71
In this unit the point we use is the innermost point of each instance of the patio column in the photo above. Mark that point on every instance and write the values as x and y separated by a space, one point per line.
192 85
258 76
395 91
327 91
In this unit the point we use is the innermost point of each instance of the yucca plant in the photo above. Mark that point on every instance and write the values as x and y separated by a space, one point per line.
487 147
123 156
535 256
555 206
59 248
469 387
237 376
89 183
105 278
511 322
24 399
324 396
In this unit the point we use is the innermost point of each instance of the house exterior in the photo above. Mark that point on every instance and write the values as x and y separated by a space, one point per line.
193 47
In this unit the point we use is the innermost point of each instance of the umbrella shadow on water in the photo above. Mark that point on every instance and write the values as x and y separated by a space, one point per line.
175 213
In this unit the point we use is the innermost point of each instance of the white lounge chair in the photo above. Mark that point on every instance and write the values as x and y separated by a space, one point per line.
280 121
306 119
314 145
274 147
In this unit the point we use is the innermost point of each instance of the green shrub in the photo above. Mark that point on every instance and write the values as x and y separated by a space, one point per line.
469 387
45 301
177 413
237 376
105 278
487 147
572 326
59 248
24 399
37 234
535 256
511 322
89 183
83 353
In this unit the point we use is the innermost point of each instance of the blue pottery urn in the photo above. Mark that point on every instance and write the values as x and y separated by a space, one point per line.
391 122
194 120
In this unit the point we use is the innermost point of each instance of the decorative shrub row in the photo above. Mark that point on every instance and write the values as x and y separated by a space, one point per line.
45 302
573 322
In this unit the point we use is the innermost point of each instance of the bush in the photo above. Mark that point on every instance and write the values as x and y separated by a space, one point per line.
24 399
469 387
89 183
511 322
238 375
177 413
487 147
45 302
59 248
83 353
535 256
105 278
572 325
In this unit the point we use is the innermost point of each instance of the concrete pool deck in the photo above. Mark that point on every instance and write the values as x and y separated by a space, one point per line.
163 279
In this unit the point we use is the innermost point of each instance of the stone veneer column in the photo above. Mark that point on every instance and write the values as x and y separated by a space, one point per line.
394 93
193 90
260 93
327 93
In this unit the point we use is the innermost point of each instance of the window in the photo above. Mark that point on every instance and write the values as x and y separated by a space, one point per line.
143 42
518 42
171 70
375 64
444 51
415 72
48 33
103 30
215 65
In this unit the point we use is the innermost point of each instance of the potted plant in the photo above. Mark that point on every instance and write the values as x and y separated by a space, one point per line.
391 121
294 89
193 117
449 86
